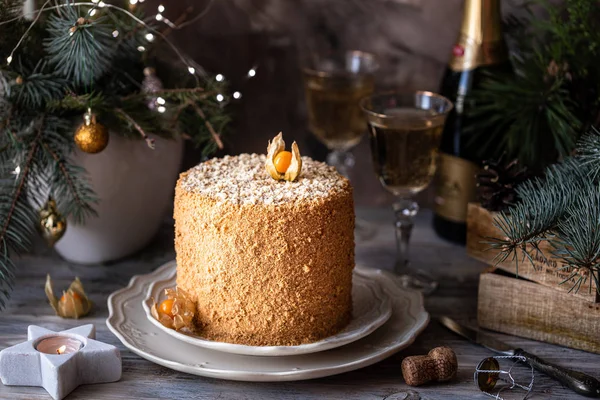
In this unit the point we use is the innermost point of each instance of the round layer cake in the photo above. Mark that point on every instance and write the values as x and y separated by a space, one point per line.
267 262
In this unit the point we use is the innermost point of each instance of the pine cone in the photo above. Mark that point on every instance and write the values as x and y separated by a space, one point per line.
497 181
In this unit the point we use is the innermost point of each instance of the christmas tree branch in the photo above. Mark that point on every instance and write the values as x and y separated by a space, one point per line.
208 125
96 54
16 218
198 94
80 48
149 141
76 189
23 175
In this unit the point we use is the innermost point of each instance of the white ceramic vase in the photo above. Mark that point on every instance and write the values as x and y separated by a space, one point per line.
135 187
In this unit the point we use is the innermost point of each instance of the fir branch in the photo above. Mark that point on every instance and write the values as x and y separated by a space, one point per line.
588 151
68 183
578 236
538 114
16 218
91 68
137 127
81 49
79 103
208 125
563 207
543 203
37 88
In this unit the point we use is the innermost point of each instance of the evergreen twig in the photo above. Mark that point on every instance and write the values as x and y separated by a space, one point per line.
563 207
74 57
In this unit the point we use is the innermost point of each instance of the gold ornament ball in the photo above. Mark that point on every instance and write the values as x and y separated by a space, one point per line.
52 225
91 138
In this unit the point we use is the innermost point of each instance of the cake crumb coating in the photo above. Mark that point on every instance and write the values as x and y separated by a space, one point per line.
267 262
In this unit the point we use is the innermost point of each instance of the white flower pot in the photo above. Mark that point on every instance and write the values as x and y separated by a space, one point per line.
135 187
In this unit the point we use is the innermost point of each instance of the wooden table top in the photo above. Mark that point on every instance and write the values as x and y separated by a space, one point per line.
456 297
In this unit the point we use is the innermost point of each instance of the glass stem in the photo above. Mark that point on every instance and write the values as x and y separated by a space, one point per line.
342 160
405 209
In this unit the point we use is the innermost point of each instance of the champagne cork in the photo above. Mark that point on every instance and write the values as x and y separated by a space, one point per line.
439 364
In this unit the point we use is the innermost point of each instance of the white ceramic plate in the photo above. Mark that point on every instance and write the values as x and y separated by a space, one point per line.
127 320
371 309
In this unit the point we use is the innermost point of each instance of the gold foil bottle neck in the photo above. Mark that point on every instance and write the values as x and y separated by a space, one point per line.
480 41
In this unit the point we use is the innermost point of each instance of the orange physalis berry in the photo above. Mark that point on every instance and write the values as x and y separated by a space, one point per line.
76 296
166 307
282 161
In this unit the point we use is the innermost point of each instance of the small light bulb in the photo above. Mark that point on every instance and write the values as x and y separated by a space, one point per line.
220 97
149 37
141 48
95 1
9 59
92 12
237 95
141 1
252 72
161 8
71 33
161 109
219 78
159 17
101 4
115 33
161 101
133 2
17 170
192 70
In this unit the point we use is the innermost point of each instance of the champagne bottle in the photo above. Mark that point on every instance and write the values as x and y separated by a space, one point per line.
480 46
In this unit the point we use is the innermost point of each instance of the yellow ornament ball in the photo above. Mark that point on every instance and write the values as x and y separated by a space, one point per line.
91 136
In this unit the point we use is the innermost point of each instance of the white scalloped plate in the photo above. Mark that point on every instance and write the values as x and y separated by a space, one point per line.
371 309
127 320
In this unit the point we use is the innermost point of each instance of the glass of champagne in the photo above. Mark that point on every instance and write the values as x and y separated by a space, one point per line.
405 130
334 85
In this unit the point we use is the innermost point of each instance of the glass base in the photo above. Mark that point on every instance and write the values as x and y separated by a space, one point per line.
416 279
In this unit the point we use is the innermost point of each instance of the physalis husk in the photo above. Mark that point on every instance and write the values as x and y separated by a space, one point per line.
74 303
176 311
295 165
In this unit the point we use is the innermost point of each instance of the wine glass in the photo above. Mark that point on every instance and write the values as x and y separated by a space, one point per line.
405 130
334 85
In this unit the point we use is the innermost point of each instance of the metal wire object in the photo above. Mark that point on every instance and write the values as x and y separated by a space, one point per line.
488 375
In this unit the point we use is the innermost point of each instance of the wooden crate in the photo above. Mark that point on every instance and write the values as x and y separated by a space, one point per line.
543 270
519 307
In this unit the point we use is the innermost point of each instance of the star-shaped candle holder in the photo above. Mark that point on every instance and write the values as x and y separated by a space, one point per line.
60 361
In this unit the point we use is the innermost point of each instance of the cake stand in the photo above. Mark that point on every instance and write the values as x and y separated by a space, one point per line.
128 321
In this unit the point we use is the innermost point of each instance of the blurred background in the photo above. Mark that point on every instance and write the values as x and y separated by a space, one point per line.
412 39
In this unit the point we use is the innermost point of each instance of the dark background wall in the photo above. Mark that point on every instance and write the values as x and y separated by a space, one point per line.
412 39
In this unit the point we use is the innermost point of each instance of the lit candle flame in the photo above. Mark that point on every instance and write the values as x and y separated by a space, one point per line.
61 349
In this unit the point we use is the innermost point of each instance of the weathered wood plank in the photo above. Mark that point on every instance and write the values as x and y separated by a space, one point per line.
532 310
457 273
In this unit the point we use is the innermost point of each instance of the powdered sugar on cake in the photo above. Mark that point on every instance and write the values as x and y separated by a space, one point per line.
243 179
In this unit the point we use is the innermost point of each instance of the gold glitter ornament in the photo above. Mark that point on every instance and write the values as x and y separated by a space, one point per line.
52 225
91 136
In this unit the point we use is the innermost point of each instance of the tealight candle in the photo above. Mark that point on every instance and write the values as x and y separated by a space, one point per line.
60 361
58 345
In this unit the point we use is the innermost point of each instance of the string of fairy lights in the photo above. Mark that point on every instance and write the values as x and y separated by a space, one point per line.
192 67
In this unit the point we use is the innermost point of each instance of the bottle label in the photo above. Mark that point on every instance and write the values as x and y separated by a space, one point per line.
455 187
468 54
